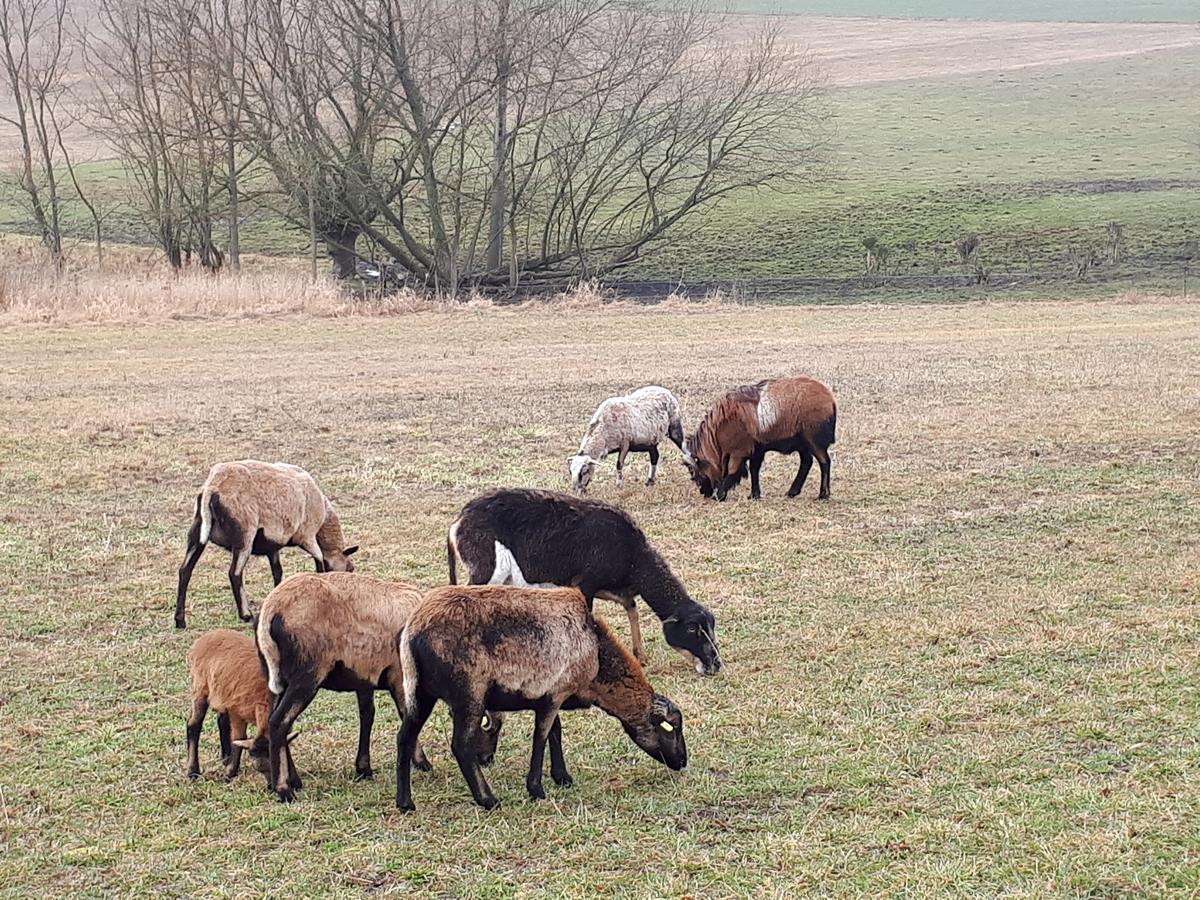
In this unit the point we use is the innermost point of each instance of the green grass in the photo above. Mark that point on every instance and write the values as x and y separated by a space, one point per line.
971 672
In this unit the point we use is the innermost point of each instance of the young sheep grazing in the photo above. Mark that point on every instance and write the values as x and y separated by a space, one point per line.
784 415
227 678
255 508
525 538
339 632
635 422
504 648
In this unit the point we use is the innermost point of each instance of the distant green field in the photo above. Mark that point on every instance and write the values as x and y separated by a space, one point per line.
1037 161
1012 11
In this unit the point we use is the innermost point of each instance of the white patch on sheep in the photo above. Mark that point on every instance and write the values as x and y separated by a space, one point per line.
768 412
507 570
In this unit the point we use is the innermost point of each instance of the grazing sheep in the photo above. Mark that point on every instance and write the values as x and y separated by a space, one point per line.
504 648
227 678
338 632
784 415
257 508
527 538
635 422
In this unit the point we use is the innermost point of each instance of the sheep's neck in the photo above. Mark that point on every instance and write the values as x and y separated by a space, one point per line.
658 586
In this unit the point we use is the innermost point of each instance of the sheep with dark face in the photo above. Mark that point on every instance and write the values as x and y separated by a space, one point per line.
526 537
254 508
227 678
636 422
505 648
781 415
338 632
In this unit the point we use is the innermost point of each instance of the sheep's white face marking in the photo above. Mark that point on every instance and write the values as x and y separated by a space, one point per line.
768 412
582 468
507 571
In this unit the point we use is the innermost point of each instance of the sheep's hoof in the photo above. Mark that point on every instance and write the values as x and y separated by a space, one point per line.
792 492
642 659
536 791
824 496
288 796
246 617
563 779
364 774
180 623
489 803
408 807
754 496
649 482
422 765
193 776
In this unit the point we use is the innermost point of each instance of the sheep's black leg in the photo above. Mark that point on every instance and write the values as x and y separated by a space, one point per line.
621 454
466 725
756 462
194 725
806 461
233 765
558 763
653 454
190 557
287 708
366 720
276 567
824 462
544 720
406 743
223 731
396 689
240 557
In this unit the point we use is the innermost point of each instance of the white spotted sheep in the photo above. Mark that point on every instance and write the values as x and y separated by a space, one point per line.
338 632
504 648
529 538
636 422
254 508
227 678
781 415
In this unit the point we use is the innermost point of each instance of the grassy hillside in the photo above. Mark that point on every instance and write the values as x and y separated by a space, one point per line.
1012 11
1037 161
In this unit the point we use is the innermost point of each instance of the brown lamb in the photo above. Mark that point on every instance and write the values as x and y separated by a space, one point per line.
227 678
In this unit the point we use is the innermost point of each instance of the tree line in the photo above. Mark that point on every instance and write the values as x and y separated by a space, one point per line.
485 142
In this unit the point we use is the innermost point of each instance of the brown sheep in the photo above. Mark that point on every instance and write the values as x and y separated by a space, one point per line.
340 632
227 678
784 415
482 648
254 508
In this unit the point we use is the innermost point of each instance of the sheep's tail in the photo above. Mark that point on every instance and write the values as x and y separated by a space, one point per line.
408 666
827 431
205 506
451 553
270 635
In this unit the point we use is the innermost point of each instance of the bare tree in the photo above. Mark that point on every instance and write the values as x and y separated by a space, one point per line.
586 129
36 56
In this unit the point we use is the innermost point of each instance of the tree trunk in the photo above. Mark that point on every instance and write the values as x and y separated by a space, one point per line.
500 142
340 240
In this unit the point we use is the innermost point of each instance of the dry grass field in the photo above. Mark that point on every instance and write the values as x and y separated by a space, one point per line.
974 670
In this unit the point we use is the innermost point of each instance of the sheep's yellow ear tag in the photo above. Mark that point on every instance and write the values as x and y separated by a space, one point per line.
666 726
485 721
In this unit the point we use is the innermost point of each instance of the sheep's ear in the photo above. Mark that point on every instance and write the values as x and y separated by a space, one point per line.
350 551
245 743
